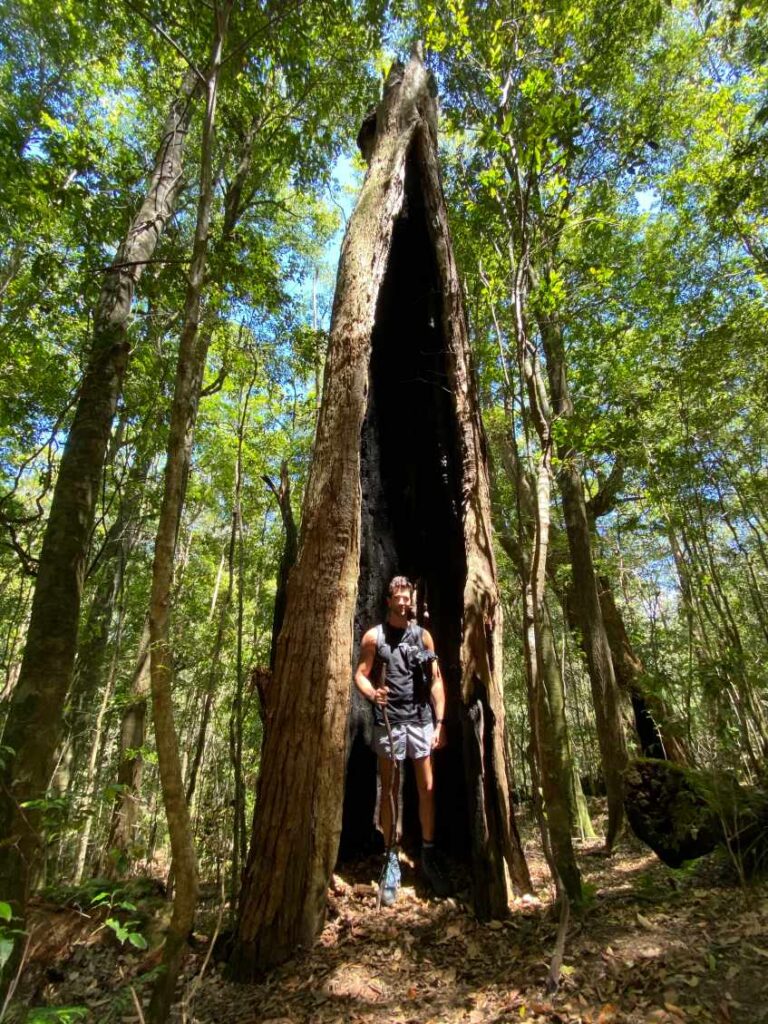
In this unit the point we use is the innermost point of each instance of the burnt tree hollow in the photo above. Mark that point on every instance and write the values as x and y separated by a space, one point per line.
398 483
411 517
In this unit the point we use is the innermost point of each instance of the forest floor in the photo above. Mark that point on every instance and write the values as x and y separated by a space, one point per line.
653 946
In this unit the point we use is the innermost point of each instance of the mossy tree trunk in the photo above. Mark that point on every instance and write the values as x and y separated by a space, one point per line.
684 813
118 855
589 616
34 724
193 347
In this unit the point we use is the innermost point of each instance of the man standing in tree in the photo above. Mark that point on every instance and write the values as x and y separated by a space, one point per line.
399 673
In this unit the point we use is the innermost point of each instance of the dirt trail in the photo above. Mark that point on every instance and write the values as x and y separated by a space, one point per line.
653 947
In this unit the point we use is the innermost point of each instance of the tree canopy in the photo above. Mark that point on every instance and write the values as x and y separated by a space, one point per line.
176 183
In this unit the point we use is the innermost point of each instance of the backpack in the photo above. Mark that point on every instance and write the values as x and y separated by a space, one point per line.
418 658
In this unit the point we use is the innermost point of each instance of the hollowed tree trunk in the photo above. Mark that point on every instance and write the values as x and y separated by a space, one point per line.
398 483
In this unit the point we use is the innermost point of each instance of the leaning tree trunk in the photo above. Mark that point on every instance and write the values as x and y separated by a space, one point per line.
605 696
34 725
652 716
435 521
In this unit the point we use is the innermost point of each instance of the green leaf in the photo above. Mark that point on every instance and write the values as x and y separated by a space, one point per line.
6 948
56 1014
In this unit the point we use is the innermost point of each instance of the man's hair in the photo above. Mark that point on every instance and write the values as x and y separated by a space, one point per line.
399 583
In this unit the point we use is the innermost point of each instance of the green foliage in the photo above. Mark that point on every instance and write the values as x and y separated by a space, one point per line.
618 156
126 930
606 176
9 934
56 1014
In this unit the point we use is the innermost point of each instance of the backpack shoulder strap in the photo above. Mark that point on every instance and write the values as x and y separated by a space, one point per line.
418 632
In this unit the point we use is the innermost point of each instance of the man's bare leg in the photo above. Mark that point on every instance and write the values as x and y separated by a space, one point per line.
389 773
422 767
429 864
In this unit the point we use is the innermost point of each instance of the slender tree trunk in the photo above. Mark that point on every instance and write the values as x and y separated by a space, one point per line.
236 714
189 375
704 617
90 664
546 696
613 752
122 837
98 746
209 691
729 629
759 605
751 519
16 626
551 749
34 725
566 771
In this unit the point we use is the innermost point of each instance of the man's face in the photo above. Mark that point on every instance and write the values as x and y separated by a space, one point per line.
399 603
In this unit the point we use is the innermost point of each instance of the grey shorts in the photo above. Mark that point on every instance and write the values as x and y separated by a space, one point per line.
411 739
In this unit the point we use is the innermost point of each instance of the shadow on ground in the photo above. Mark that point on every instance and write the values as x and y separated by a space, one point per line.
653 946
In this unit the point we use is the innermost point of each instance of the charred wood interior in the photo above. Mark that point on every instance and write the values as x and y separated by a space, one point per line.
411 515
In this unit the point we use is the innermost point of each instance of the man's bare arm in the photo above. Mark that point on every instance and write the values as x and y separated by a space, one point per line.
364 668
437 693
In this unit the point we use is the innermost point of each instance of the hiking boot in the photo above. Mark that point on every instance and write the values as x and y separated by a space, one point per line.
434 872
390 879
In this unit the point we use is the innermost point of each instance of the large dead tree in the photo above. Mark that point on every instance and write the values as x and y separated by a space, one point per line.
398 484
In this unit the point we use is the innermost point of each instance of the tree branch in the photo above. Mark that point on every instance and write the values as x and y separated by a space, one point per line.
605 500
164 35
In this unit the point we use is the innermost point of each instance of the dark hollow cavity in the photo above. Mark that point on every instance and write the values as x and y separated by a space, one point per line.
411 518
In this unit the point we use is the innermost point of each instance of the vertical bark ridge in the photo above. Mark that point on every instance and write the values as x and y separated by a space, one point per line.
334 585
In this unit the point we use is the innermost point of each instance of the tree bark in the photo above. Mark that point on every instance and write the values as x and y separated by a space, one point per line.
282 495
189 375
613 751
236 711
122 828
93 647
294 843
34 725
546 696
99 745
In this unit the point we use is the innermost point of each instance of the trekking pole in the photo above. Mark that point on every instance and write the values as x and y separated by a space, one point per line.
393 808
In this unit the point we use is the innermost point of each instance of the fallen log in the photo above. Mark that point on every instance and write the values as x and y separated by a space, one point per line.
683 814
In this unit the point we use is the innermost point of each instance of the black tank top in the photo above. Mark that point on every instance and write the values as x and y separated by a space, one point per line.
394 650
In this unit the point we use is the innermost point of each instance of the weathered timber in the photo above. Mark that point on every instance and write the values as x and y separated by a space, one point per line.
683 814
398 484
